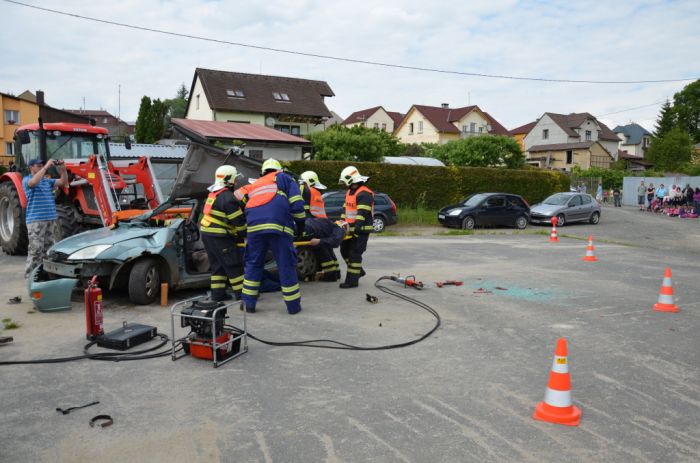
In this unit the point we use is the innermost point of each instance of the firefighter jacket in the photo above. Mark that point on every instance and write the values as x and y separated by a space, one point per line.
272 204
313 202
359 209
223 215
326 230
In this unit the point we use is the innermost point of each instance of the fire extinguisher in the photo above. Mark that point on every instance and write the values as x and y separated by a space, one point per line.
93 310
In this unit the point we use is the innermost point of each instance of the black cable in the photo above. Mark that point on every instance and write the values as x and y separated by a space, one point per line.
338 58
332 344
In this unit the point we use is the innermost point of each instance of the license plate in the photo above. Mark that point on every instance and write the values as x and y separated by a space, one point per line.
441 216
61 269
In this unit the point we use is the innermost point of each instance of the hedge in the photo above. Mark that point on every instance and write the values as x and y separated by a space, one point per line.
435 187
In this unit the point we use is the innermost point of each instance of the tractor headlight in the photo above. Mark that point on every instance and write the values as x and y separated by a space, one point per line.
89 252
454 212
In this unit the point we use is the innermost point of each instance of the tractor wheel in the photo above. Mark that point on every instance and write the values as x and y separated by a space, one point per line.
67 223
13 230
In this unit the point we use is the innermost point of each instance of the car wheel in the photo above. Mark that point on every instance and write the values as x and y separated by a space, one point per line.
468 223
307 264
144 281
379 224
595 218
561 220
521 222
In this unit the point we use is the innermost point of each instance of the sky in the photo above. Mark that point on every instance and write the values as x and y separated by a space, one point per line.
81 63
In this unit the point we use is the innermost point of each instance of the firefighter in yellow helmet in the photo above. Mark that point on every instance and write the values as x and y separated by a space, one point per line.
359 213
223 227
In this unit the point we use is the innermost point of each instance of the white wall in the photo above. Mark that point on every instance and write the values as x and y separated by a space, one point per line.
556 134
204 113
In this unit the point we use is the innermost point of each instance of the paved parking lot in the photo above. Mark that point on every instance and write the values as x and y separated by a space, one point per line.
465 394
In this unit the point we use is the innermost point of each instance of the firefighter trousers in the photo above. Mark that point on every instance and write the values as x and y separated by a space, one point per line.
352 251
285 255
226 263
328 262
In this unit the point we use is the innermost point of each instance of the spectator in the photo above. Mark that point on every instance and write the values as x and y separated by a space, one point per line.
605 196
11 167
616 197
599 193
583 187
696 200
661 193
641 192
677 197
688 193
40 214
650 196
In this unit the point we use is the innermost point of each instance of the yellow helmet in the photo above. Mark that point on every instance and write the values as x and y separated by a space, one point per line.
225 175
271 164
351 175
311 178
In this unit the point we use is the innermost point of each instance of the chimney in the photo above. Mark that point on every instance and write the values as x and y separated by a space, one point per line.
445 105
40 98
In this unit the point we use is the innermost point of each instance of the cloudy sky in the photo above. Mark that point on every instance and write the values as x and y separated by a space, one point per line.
74 60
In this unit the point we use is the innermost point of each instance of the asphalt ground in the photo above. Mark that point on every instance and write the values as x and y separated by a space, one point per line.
467 393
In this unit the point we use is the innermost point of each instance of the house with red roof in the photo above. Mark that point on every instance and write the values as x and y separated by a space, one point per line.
440 124
375 118
289 105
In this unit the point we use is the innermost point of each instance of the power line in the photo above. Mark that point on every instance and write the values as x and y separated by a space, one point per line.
347 60
632 109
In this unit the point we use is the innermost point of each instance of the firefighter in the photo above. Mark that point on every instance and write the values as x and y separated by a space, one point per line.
274 208
314 207
359 213
324 235
223 227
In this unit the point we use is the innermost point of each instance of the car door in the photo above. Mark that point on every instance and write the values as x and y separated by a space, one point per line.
573 209
493 211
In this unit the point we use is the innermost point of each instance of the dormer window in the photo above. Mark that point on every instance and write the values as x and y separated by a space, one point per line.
279 96
235 93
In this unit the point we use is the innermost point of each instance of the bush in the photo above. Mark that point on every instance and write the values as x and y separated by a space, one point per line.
434 187
485 151
354 144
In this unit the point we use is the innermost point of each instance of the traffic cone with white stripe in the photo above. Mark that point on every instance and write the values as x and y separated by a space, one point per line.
553 238
556 406
665 303
590 254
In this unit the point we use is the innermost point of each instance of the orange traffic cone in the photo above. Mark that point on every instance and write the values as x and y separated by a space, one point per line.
590 255
556 406
553 238
665 303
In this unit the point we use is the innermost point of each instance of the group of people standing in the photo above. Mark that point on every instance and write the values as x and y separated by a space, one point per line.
268 215
658 198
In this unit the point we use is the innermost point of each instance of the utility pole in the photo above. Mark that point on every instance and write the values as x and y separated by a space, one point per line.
83 104
119 107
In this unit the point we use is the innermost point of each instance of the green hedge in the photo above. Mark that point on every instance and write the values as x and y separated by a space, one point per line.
436 187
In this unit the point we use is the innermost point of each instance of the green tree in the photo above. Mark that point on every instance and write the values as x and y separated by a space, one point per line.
156 116
142 129
178 105
666 120
686 106
420 150
671 151
484 151
339 143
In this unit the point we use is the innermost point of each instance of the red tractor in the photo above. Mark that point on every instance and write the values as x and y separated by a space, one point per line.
101 191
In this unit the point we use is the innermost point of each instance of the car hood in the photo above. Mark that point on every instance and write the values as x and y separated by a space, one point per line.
546 209
461 206
123 232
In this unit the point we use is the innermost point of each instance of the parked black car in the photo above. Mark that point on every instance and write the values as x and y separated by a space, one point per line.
487 209
384 208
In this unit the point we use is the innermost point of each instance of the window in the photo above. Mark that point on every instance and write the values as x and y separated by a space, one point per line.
569 157
197 107
383 127
481 130
376 125
646 142
410 128
291 129
586 199
235 93
545 134
380 200
472 127
104 120
11 117
279 96
496 201
256 154
420 126
464 129
588 135
9 149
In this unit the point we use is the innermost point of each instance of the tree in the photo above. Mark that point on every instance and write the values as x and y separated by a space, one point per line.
419 150
340 143
142 128
666 120
177 106
686 106
483 151
671 151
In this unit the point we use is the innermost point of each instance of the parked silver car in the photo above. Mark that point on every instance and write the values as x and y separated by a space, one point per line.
566 207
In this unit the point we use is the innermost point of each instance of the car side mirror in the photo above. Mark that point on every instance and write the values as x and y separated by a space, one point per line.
23 137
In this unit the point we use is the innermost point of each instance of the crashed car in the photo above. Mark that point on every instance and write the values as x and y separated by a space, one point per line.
161 246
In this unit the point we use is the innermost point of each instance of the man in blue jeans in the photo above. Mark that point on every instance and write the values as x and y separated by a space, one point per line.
40 215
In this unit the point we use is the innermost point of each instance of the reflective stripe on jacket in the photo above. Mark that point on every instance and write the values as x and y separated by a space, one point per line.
261 192
218 222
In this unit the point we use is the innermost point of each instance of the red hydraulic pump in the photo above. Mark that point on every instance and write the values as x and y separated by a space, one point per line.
93 310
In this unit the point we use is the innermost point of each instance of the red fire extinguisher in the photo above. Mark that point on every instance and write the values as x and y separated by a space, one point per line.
93 310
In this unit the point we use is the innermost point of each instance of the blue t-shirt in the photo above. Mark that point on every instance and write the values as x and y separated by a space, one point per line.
41 204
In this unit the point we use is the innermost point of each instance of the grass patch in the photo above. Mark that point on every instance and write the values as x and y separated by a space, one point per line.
455 232
10 324
417 216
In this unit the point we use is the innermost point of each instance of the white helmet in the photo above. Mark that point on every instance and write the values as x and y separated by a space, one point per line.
311 178
271 164
351 175
225 175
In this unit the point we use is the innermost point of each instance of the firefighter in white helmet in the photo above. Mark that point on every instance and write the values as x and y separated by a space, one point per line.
223 227
359 214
